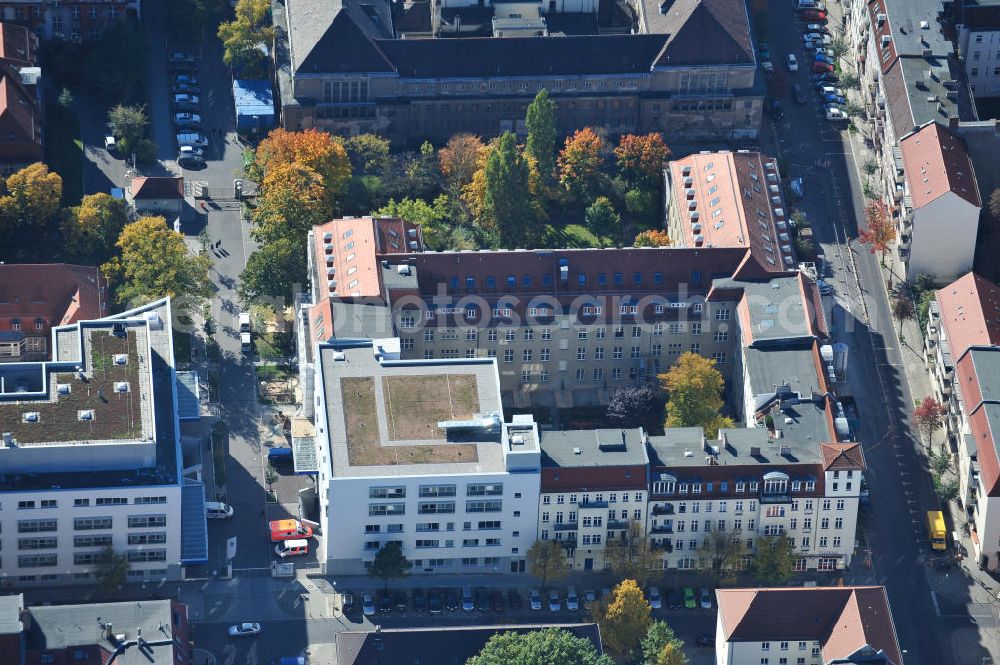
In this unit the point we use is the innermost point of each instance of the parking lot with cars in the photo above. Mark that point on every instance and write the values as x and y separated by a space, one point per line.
186 105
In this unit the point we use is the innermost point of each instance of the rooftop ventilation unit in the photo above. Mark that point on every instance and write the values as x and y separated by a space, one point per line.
8 439
755 451
30 417
688 453
880 18
886 40
339 355
413 245
121 359
63 388
121 386
578 451
403 270
488 423
85 414
412 233
517 440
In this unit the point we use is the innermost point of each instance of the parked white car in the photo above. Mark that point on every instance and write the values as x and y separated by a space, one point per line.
244 629
793 63
835 113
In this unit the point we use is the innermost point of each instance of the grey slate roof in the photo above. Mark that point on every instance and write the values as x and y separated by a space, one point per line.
353 36
600 447
434 646
66 626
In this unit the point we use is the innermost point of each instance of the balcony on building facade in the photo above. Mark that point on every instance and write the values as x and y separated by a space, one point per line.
664 509
568 543
664 545
565 526
590 503
662 528
617 524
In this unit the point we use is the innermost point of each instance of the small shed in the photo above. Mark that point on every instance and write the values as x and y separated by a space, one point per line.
254 106
157 195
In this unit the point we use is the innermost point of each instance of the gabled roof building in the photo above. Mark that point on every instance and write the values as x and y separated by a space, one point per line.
824 625
687 66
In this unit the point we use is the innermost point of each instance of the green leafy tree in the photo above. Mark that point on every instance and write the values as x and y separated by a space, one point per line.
293 199
640 159
459 160
128 125
994 204
694 388
270 477
91 229
369 153
642 204
625 619
431 218
273 270
548 646
601 217
631 556
154 261
30 197
65 98
660 646
774 561
547 561
540 121
111 570
507 198
244 36
390 564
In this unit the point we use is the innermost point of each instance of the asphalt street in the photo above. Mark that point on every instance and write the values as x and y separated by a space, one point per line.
826 157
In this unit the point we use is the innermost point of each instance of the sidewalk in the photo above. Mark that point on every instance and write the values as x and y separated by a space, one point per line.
961 591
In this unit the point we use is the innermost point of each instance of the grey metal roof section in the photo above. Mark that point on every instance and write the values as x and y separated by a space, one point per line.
770 369
194 525
10 614
304 455
776 310
987 365
362 320
188 396
600 447
67 626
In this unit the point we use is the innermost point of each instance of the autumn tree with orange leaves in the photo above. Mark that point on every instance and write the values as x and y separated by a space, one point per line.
653 238
640 159
879 232
320 151
460 158
579 164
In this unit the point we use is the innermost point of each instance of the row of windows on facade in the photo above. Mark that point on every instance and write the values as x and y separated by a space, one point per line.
581 356
467 562
21 13
771 486
408 319
529 281
597 497
592 520
800 565
722 506
30 504
482 525
425 543
438 508
87 558
91 523
693 544
97 540
436 491
680 526
17 324
599 332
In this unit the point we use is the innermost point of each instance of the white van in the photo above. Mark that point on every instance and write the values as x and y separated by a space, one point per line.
246 346
244 322
218 511
291 548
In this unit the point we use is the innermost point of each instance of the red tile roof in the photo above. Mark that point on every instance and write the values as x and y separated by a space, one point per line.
55 293
936 162
157 187
732 194
350 247
842 619
842 457
970 313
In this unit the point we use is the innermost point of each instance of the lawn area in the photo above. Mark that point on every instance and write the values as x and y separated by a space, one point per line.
64 150
275 372
416 404
575 236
